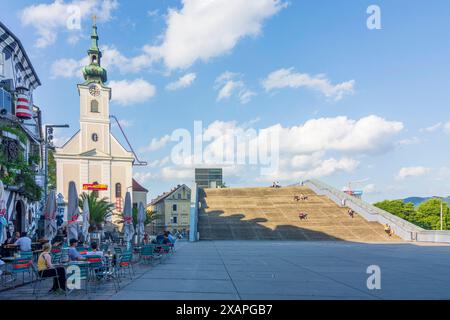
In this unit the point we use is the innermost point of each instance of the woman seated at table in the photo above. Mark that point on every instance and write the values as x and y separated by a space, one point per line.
47 270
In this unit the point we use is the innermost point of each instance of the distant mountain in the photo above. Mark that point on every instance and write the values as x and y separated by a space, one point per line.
418 200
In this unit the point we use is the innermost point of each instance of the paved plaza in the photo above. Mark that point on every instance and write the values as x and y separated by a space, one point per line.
284 270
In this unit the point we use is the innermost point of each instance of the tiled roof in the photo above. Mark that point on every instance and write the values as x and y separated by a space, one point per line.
166 194
138 187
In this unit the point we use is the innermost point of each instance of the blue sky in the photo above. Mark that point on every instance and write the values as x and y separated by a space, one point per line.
351 104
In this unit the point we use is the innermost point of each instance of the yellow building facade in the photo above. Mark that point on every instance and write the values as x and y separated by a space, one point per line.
172 209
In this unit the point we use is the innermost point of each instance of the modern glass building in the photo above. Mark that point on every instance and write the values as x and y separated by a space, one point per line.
209 177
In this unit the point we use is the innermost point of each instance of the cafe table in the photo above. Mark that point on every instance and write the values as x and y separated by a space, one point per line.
10 249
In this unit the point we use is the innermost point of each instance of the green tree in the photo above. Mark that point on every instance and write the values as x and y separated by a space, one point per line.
51 170
99 209
397 207
429 212
150 216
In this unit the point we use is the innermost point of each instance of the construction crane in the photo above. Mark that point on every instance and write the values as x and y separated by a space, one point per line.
355 193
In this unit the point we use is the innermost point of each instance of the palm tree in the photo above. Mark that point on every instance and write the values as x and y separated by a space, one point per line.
99 209
150 216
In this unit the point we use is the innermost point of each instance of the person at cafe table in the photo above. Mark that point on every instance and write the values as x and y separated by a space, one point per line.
46 269
74 255
24 242
14 238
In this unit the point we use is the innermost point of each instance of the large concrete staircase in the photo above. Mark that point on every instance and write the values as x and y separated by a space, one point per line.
269 213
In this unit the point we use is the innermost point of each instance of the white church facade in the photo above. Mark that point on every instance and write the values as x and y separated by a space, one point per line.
93 155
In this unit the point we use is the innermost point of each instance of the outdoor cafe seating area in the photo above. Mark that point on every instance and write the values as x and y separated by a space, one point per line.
75 265
115 267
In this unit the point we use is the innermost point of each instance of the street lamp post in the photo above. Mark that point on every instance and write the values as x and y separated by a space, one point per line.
441 211
48 139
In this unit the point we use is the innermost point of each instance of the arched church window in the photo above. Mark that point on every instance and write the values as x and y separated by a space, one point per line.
94 59
118 190
94 106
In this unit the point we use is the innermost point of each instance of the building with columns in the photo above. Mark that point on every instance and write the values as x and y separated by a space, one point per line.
93 155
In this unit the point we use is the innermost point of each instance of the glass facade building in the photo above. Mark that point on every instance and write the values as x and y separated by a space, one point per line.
209 178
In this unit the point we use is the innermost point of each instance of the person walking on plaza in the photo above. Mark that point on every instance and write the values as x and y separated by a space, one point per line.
46 270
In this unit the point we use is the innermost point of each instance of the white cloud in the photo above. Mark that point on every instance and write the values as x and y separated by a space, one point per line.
126 92
407 172
432 128
170 173
160 162
315 169
183 82
153 13
229 83
202 30
410 141
287 78
66 68
143 177
447 127
49 19
444 126
124 123
59 141
370 134
303 149
157 144
308 159
112 59
371 189
330 166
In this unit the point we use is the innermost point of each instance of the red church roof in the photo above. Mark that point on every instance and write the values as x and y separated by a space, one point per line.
138 187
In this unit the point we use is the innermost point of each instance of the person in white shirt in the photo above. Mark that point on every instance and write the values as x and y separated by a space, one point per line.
95 251
24 242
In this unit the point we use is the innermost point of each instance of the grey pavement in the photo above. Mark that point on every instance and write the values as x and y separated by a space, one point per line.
295 270
270 270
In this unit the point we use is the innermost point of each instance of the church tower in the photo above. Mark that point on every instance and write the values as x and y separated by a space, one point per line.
93 155
94 101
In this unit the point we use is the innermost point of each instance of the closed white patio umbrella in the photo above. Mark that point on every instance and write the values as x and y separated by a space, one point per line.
73 212
86 218
50 228
128 220
140 222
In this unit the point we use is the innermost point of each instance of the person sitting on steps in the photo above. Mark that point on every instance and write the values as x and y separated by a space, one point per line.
351 213
388 230
303 216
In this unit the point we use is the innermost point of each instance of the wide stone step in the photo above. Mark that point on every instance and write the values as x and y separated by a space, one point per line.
268 213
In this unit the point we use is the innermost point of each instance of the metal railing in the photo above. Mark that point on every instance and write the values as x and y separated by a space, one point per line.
368 208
